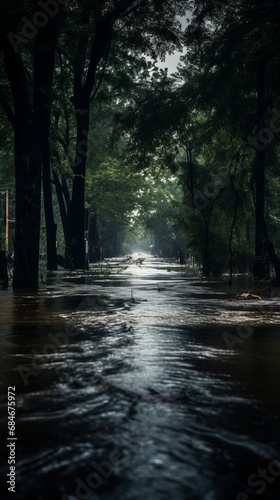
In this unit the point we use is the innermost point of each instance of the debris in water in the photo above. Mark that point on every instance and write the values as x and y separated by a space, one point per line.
248 296
161 289
132 298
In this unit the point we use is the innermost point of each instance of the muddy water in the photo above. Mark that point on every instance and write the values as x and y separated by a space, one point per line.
145 383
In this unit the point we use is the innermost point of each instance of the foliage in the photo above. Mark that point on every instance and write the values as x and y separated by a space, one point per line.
170 158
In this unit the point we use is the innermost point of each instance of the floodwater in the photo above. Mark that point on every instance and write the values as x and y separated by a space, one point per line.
141 382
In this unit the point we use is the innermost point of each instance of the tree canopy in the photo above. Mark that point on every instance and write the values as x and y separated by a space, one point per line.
89 116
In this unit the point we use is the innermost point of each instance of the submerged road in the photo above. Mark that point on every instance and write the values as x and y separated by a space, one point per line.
140 382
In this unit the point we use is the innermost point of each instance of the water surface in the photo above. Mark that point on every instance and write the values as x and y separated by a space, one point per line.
138 385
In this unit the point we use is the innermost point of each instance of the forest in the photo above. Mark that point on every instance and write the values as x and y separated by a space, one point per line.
102 148
140 249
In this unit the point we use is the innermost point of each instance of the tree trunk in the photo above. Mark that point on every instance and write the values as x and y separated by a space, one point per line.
49 217
4 277
269 247
83 87
236 204
94 240
258 269
27 159
30 139
205 263
182 259
28 205
44 60
75 247
61 203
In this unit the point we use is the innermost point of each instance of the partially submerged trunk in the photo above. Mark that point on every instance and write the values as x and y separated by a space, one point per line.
61 202
269 247
94 240
259 269
27 157
44 59
206 271
31 132
28 209
75 239
4 277
236 205
83 87
49 216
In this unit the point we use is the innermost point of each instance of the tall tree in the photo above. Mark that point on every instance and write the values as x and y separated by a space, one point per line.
31 128
238 63
143 26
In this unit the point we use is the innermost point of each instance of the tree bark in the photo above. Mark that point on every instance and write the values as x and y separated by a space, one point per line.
94 240
4 277
269 247
27 175
61 202
31 131
44 60
49 216
258 268
75 248
236 205
75 240
205 264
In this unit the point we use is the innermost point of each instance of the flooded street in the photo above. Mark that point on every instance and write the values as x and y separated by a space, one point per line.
141 382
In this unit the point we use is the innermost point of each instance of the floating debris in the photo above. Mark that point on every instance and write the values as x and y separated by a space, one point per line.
161 289
132 298
139 261
248 296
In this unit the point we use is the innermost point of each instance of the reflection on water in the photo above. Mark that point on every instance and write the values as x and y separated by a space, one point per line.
121 399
